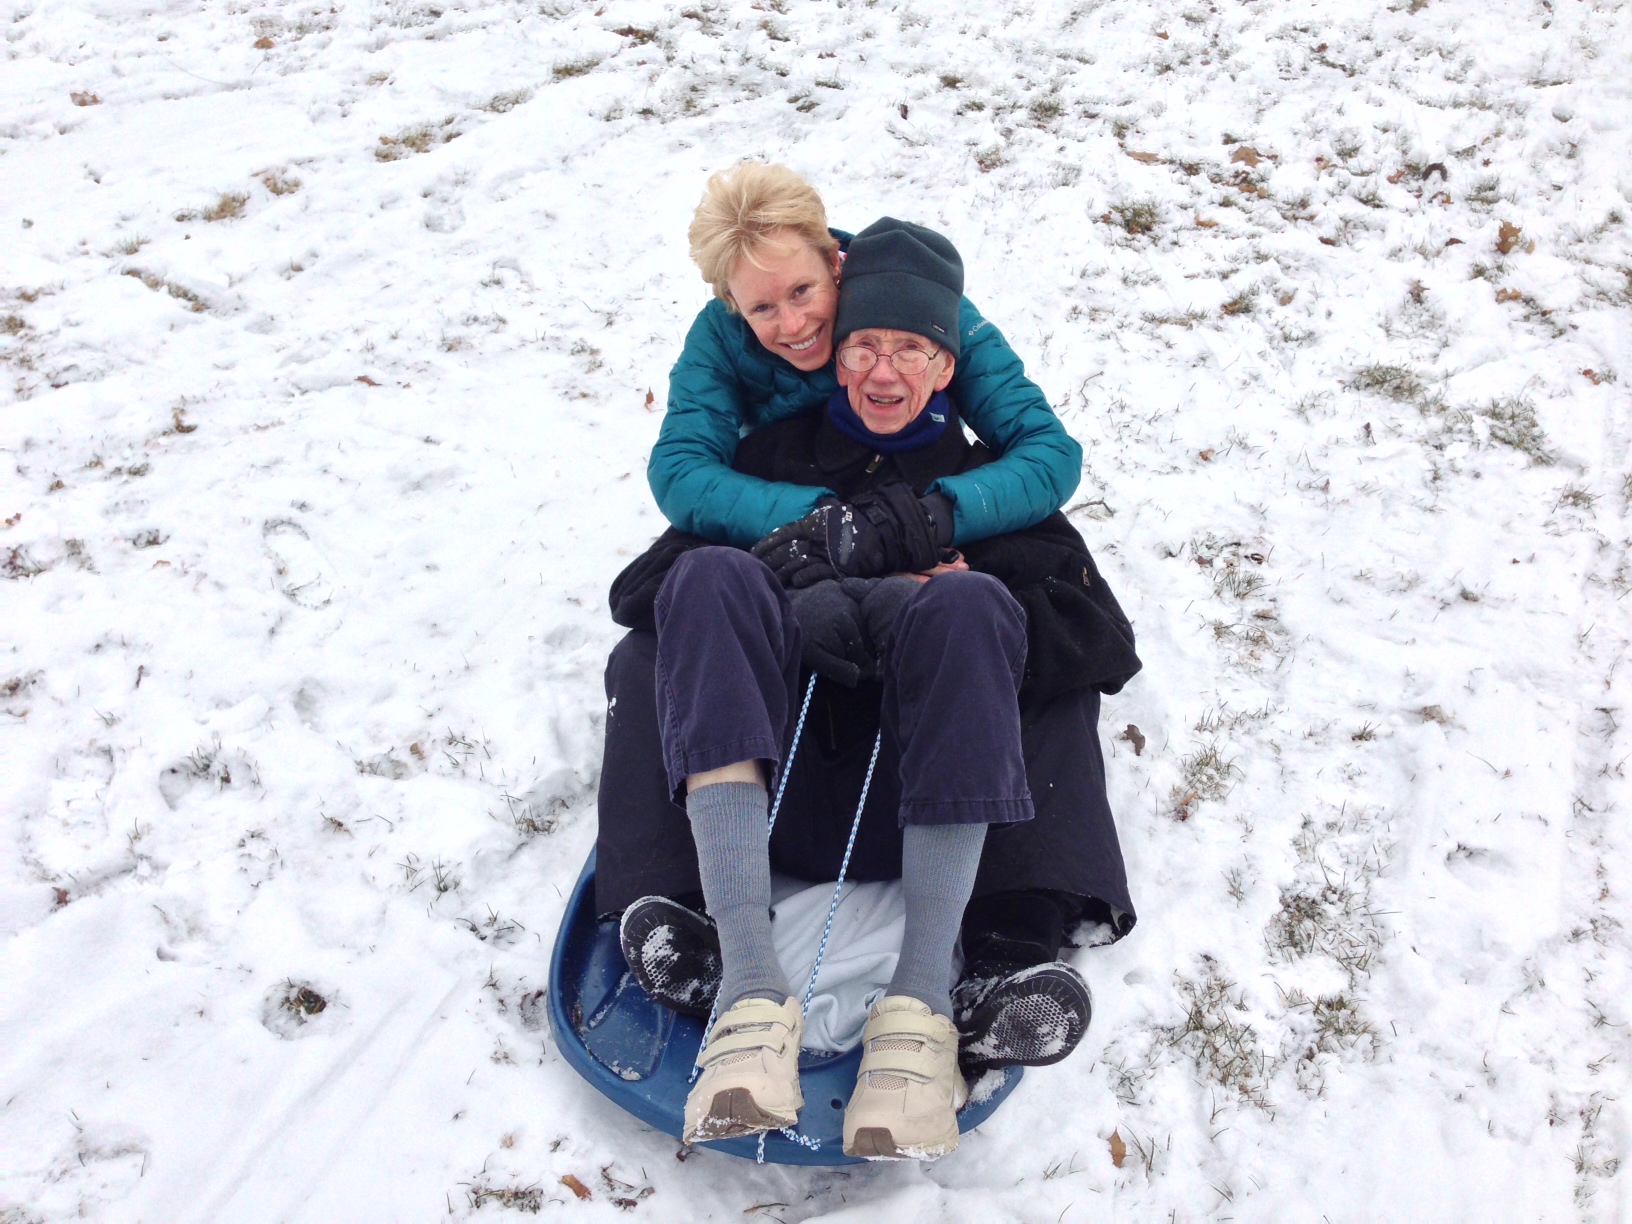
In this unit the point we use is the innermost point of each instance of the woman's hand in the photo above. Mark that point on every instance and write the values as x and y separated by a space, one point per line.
945 567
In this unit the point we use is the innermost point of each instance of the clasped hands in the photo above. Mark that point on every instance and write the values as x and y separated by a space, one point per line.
849 568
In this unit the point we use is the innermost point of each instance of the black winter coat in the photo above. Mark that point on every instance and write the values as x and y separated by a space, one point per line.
1077 635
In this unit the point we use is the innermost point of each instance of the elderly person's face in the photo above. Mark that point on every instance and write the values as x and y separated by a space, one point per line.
886 397
789 297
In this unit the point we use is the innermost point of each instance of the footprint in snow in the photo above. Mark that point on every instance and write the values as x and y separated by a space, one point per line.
303 572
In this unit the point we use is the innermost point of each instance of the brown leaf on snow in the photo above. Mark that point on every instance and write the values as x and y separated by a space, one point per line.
1508 295
264 44
1150 159
1247 155
84 98
1206 456
576 1186
1205 223
364 378
1135 737
650 398
1592 376
1119 1150
1508 237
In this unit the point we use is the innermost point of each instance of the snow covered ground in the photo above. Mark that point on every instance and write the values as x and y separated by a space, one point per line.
329 337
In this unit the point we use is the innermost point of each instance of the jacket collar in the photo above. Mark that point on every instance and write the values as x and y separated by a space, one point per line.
838 455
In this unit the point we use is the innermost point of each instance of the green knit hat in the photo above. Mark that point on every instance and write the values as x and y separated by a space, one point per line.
902 276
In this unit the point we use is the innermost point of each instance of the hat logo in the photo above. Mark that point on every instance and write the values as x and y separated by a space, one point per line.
939 328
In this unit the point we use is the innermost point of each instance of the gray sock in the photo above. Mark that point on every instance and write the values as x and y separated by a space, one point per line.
938 864
734 860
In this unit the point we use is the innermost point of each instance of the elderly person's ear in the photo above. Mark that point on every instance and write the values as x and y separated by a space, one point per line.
945 376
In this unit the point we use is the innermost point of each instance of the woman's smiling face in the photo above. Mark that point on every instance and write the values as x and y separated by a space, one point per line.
789 298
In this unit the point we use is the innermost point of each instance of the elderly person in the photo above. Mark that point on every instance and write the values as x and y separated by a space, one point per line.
762 352
981 672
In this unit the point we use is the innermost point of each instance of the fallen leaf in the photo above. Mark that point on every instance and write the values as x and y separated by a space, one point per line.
18 517
1396 176
1508 237
1320 48
1119 1150
1591 375
650 398
1148 158
576 1186
364 378
1286 298
1162 34
1247 155
1136 737
1444 174
1450 242
85 98
1205 223
264 44
1207 455
1508 295
61 896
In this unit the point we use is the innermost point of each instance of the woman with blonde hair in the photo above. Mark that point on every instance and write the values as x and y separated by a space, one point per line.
762 351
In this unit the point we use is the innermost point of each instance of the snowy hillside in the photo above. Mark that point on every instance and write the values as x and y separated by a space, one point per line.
333 340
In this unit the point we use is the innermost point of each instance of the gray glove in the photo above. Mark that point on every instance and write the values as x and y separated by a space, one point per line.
834 642
881 601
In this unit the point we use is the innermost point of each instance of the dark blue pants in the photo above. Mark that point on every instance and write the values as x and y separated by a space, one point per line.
720 682
728 687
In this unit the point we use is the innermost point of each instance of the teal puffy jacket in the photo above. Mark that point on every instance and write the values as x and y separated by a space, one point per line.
725 383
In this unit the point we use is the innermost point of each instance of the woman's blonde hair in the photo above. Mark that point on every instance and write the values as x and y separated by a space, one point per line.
741 208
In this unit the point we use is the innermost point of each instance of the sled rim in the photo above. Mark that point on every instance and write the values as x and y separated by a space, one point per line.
639 1054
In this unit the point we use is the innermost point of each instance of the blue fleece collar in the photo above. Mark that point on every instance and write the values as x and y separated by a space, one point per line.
923 430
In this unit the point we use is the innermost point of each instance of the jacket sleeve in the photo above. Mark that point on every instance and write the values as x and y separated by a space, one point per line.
1039 464
1077 635
690 468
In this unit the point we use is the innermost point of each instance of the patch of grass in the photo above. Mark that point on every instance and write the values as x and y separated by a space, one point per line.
579 66
1395 382
1186 319
1138 216
418 139
1237 582
1513 423
13 325
1240 304
228 207
1224 1047
19 563
528 821
1045 110
508 100
639 35
280 184
529 1199
1204 775
951 80
156 282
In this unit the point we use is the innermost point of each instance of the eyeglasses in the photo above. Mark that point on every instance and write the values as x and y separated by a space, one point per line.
908 361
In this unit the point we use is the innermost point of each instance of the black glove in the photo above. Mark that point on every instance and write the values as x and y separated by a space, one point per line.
834 643
886 531
881 601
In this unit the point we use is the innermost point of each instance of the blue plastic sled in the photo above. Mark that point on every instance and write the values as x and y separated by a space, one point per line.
640 1054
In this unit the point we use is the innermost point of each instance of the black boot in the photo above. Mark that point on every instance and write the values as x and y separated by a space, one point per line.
1016 1003
673 953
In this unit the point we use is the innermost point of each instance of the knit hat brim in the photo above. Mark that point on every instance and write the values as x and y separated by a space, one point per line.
900 301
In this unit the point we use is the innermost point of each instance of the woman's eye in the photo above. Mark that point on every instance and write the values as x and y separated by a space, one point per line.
801 291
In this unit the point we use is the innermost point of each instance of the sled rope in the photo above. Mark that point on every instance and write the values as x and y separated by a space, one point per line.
832 906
